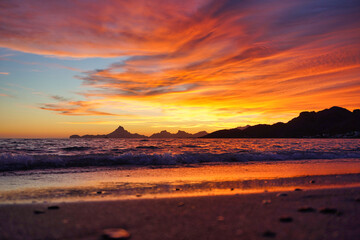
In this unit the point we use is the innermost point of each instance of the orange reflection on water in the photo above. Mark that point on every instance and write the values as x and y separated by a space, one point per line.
234 171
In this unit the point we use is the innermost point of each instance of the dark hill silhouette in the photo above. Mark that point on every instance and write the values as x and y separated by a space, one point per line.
120 132
162 134
200 134
333 122
179 134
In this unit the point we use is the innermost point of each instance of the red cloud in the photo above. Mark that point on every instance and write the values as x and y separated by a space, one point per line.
230 54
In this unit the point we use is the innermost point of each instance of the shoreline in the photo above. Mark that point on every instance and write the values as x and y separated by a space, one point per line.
267 215
283 200
208 179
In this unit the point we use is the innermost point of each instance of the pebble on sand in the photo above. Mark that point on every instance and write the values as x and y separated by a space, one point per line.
39 212
281 194
328 210
180 204
297 189
306 209
266 201
312 181
53 207
99 192
115 233
269 234
285 219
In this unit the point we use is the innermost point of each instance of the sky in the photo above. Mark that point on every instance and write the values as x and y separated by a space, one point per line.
88 66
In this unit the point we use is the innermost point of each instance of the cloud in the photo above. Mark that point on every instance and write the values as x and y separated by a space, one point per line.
59 98
263 56
4 73
75 108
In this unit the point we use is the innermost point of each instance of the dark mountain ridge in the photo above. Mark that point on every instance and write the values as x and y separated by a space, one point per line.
335 122
120 132
179 134
329 123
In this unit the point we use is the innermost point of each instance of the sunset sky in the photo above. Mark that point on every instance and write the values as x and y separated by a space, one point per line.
86 66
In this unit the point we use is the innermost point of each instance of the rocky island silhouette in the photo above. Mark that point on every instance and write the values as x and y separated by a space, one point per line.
336 122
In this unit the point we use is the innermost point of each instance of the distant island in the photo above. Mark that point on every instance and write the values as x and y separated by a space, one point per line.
335 122
120 132
179 134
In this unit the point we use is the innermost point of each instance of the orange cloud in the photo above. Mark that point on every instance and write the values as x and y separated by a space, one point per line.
223 58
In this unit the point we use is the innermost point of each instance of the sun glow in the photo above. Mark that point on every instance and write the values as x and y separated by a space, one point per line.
186 64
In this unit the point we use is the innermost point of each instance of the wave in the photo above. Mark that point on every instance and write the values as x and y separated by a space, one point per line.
76 148
15 162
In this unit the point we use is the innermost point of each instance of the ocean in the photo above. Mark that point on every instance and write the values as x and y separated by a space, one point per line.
30 154
96 169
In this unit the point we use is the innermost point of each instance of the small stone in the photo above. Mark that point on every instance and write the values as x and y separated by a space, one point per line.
53 207
138 195
328 210
285 219
115 233
312 181
281 194
220 218
39 212
269 234
99 192
180 204
266 201
306 209
177 189
297 189
232 189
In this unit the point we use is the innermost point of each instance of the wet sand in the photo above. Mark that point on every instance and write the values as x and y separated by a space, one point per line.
307 214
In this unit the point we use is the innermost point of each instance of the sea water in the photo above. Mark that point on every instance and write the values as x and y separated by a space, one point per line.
29 154
54 169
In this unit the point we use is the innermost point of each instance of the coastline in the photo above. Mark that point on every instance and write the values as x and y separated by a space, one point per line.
89 184
317 199
267 215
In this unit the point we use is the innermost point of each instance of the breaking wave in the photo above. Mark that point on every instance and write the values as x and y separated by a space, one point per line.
16 162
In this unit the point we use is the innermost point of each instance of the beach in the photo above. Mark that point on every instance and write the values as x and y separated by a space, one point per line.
310 214
278 200
202 189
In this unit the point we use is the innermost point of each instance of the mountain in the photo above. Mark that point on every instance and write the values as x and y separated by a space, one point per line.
120 132
179 134
333 122
162 134
242 128
200 134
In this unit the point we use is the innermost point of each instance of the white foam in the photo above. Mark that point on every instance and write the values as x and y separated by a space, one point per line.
12 162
